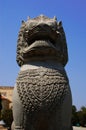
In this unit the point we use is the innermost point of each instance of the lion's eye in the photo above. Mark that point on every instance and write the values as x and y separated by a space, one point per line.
25 35
53 25
32 25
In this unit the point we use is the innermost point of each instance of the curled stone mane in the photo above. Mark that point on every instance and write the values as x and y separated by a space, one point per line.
29 26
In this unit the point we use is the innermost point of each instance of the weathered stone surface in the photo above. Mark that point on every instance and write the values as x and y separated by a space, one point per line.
42 96
42 32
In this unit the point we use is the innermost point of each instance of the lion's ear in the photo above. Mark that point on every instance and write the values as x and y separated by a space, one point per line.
59 23
55 18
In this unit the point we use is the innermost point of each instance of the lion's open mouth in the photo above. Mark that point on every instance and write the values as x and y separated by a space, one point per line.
41 37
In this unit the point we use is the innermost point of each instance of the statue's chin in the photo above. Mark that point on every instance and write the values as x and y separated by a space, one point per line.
40 45
46 63
40 50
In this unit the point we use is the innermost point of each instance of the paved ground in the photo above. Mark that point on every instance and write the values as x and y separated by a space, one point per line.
74 128
79 128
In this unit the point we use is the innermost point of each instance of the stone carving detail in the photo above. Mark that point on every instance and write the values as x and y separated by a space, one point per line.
46 26
42 96
43 89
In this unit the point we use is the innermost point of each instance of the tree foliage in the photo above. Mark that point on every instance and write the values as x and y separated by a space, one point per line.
74 115
0 102
79 117
7 117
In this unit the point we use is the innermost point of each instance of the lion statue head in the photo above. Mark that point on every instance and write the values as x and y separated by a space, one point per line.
41 38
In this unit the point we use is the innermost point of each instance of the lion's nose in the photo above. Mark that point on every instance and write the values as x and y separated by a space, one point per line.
43 25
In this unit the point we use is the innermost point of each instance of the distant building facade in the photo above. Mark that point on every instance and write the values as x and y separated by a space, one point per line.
6 96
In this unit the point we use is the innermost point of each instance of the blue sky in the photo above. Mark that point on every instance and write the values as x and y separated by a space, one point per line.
73 15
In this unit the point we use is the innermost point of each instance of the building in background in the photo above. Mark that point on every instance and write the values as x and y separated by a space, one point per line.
6 103
6 96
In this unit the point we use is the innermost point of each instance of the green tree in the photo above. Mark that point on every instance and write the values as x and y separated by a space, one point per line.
0 105
79 117
7 116
74 116
0 102
82 116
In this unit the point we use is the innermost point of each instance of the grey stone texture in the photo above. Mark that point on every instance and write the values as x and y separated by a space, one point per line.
42 97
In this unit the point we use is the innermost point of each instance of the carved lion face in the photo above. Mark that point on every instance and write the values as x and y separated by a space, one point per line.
41 38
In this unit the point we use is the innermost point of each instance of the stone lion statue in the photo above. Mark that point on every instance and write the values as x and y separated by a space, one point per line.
42 97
